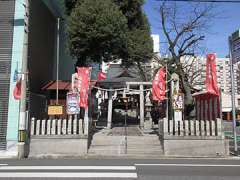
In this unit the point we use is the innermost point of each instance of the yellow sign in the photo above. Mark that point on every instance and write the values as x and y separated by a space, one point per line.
55 110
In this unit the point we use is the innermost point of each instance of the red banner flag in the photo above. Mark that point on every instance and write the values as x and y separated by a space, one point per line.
84 78
17 90
159 86
102 76
211 75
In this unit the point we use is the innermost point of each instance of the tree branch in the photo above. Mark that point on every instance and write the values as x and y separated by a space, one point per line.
184 42
164 25
192 42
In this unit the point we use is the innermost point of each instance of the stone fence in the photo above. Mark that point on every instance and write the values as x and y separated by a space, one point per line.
191 128
71 126
193 138
60 137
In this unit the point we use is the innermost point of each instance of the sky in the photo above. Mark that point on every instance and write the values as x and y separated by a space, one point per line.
216 41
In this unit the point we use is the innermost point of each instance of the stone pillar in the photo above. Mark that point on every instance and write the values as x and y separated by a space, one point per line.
109 119
215 108
148 124
211 120
198 110
141 106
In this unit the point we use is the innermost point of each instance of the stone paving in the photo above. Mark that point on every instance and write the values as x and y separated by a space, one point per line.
129 131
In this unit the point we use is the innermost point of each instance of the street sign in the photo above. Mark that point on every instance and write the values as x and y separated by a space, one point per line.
73 103
55 110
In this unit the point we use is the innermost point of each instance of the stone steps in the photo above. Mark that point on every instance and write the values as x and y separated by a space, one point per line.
130 143
104 145
121 150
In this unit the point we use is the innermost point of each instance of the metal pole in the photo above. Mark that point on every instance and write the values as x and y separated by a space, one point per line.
24 74
233 98
57 78
126 108
220 92
167 90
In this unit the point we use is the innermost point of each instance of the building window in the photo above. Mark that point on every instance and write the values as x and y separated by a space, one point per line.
238 102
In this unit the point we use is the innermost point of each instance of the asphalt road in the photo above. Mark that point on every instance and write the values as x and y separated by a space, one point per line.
165 169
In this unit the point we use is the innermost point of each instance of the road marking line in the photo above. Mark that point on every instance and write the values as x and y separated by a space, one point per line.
69 175
192 165
3 164
120 168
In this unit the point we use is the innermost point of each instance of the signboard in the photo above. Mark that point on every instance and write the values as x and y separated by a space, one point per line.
236 51
178 115
75 83
177 98
234 41
178 101
178 106
55 110
73 103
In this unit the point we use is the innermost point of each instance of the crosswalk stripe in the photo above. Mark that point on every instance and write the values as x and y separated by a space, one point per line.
3 164
119 168
68 175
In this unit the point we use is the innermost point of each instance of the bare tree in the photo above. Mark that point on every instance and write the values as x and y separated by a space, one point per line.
193 67
184 28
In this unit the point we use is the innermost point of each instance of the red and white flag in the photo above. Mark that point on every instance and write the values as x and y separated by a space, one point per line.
211 75
159 86
102 76
84 78
17 90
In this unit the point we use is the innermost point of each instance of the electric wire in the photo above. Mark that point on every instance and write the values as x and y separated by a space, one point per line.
203 1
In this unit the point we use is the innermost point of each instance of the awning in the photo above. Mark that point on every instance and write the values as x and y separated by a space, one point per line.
62 85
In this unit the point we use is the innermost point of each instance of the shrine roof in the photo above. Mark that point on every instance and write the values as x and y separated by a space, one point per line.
204 95
117 76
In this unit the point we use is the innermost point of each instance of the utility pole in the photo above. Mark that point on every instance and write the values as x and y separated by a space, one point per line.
24 74
58 31
233 96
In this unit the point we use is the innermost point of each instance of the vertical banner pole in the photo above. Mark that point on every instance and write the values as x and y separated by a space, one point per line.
57 69
167 95
233 98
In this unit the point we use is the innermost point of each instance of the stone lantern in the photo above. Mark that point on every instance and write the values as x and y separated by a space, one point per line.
148 124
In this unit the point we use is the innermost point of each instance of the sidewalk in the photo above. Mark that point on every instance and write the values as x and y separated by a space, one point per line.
229 135
10 152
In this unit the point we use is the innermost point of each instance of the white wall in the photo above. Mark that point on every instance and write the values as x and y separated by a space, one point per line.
156 43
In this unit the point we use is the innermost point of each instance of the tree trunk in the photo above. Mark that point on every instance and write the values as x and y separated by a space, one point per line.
188 99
